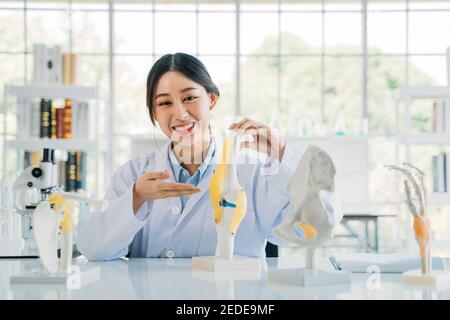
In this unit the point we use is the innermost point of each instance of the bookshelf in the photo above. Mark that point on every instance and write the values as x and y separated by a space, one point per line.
18 142
407 139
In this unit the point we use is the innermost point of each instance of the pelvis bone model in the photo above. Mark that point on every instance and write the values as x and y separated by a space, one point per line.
316 208
228 197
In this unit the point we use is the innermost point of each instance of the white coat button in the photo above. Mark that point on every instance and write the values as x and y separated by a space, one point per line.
170 254
176 210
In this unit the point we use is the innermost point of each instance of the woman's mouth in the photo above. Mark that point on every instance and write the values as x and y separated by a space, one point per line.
183 129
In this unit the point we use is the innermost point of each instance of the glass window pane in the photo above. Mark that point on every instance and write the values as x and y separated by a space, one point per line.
11 70
223 74
343 32
259 88
341 5
385 5
93 70
11 73
287 5
342 96
47 27
126 5
35 4
11 38
164 6
386 32
429 70
91 5
29 58
382 182
302 33
441 221
225 5
122 149
133 32
257 37
217 33
385 75
169 39
429 32
131 110
428 4
300 95
91 32
250 5
11 4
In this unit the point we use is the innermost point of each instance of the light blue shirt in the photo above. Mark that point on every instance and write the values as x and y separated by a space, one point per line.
182 175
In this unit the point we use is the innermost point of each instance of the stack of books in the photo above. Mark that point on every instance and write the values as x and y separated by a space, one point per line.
441 172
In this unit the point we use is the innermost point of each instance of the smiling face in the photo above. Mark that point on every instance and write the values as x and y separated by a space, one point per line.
182 108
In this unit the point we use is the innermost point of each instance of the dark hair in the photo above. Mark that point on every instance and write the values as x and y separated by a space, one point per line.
184 63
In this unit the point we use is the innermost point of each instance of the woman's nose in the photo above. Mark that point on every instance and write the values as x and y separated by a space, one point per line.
180 111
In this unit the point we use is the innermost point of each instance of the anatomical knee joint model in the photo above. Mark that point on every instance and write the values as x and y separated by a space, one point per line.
228 197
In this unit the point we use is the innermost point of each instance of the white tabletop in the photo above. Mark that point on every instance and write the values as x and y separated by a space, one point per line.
175 279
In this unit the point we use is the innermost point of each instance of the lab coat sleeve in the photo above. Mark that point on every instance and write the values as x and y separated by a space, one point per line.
271 199
106 235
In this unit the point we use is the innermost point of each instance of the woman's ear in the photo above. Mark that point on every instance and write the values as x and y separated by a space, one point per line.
213 100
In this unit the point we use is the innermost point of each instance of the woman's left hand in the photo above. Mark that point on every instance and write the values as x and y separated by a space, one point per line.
265 139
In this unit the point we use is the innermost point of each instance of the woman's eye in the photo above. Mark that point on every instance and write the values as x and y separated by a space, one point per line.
190 98
164 103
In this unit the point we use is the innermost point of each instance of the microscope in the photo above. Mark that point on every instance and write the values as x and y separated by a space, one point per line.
47 214
33 186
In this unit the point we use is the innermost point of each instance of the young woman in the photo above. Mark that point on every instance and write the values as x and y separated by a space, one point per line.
159 204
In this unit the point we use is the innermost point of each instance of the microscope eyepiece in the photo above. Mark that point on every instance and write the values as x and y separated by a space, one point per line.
36 172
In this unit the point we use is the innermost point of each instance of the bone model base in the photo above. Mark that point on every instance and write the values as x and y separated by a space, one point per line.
306 277
79 277
237 263
435 278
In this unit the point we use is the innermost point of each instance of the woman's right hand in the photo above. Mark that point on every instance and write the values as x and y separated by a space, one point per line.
151 187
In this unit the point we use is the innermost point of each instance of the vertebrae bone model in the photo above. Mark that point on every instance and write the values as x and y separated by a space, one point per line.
228 197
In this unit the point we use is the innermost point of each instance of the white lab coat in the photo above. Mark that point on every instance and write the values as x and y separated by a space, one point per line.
159 229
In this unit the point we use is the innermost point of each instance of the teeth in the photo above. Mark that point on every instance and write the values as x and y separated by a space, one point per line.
185 127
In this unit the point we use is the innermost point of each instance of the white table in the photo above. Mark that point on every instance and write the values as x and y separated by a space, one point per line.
175 279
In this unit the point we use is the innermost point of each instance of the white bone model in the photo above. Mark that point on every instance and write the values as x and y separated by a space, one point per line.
316 207
228 197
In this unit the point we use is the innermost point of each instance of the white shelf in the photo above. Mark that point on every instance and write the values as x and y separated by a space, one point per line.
61 144
439 198
424 92
425 138
56 91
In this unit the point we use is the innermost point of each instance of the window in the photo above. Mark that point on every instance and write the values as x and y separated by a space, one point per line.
313 60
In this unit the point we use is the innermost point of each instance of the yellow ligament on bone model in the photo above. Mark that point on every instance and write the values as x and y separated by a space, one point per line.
226 172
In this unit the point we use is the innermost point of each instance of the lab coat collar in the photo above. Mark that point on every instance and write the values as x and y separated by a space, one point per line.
176 166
